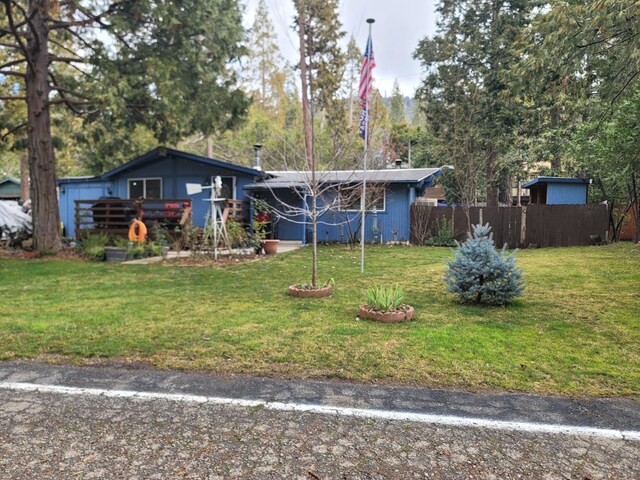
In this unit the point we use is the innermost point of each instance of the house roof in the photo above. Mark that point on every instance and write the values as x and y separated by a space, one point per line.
544 180
292 179
159 153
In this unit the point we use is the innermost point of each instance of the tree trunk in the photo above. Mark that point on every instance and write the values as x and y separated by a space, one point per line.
24 178
555 159
492 190
42 167
209 146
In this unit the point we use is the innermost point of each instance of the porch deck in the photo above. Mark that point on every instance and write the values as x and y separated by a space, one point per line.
113 216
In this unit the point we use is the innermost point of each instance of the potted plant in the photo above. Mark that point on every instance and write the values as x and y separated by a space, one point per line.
261 227
386 304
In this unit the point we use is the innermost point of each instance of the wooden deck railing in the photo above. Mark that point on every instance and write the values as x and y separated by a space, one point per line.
113 216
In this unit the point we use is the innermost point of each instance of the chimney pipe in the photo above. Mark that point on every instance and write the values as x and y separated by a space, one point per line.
398 163
256 156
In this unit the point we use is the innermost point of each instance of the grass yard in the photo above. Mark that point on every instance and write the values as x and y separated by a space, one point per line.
576 331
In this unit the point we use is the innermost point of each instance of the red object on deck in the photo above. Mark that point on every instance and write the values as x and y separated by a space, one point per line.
172 213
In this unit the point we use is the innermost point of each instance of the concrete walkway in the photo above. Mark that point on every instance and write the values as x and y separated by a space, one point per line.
283 247
98 422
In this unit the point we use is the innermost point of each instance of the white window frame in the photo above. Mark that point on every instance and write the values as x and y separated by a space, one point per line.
384 204
144 186
232 177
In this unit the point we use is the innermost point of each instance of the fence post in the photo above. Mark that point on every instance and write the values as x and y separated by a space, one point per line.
523 227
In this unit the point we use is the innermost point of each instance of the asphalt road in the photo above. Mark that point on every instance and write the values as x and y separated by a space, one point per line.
189 427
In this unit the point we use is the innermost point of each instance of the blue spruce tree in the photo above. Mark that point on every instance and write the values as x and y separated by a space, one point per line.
481 274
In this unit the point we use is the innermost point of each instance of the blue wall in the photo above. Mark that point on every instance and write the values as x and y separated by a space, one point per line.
337 226
566 193
175 174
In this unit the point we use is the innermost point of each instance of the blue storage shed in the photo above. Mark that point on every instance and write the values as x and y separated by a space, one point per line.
558 191
160 175
390 193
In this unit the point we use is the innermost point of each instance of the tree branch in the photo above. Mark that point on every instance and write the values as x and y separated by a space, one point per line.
12 73
87 21
13 28
56 58
12 97
64 47
69 91
625 86
13 130
13 62
69 101
10 45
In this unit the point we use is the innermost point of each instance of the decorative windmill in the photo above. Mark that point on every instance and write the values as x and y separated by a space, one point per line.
215 215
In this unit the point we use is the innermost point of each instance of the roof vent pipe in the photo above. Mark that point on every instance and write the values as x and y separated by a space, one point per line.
256 156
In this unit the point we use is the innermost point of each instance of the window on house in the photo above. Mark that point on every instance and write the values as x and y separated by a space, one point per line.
376 197
145 188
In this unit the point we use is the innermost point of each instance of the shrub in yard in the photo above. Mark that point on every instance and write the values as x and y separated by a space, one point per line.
93 246
481 274
444 235
385 299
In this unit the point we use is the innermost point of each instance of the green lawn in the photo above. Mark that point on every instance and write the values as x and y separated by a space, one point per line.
575 331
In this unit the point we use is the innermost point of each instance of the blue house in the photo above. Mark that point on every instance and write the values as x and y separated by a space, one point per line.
160 177
390 193
558 191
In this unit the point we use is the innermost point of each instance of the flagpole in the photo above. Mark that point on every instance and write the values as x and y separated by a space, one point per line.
363 198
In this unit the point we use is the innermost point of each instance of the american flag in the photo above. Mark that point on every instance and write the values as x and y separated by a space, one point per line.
366 84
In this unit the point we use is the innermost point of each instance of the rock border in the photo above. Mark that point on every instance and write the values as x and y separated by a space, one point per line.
405 313
310 293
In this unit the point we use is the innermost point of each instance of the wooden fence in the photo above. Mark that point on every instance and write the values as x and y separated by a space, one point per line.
540 225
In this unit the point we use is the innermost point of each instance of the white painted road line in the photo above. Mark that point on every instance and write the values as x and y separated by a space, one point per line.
446 420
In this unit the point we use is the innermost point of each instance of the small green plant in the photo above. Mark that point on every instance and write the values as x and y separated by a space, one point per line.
260 229
160 235
444 235
187 237
260 206
385 298
237 234
93 246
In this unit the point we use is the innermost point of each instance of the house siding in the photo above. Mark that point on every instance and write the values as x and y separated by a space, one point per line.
338 226
566 194
69 193
175 174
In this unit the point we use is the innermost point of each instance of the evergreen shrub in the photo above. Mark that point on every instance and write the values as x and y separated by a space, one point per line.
481 274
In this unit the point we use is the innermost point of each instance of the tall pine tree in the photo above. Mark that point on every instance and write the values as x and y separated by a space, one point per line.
464 63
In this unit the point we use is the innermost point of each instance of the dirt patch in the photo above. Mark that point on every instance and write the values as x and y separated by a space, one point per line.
64 254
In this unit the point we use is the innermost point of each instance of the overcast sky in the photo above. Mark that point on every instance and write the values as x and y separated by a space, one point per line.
399 25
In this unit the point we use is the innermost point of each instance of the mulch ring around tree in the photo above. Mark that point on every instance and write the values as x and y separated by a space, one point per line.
306 291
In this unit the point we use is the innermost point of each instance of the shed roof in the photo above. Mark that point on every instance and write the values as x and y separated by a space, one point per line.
292 179
10 180
159 153
544 180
